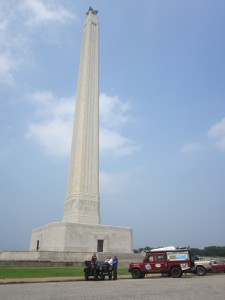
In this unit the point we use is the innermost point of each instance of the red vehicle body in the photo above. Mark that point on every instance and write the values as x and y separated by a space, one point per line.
168 262
218 265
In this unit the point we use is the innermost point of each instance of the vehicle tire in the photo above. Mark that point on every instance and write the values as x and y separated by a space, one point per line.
142 275
200 270
102 277
136 273
86 276
176 272
110 276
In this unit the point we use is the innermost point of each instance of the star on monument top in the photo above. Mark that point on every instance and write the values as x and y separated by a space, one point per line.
92 11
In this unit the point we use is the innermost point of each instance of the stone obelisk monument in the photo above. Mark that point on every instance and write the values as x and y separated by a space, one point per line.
82 201
80 230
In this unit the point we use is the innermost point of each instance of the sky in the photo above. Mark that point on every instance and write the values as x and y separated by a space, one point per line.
162 117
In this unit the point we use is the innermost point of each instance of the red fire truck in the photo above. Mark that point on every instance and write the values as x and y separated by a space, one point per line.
168 261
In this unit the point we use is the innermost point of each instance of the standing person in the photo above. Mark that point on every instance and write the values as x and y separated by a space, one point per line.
115 265
94 266
94 258
109 260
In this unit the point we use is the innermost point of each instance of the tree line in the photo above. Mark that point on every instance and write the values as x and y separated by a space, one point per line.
211 251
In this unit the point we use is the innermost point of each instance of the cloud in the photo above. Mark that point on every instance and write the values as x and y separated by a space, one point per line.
52 129
54 136
7 65
40 12
49 106
217 131
113 112
3 25
188 148
12 46
16 39
115 144
112 184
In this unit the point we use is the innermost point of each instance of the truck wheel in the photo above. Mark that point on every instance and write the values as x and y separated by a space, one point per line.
86 276
176 272
136 273
201 271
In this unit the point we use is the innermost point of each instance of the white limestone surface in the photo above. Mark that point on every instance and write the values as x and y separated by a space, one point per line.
82 200
63 236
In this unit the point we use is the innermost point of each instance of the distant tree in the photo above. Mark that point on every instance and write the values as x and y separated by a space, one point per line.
211 251
147 248
214 251
140 250
196 251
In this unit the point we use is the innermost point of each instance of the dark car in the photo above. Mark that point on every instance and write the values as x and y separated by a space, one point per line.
99 270
218 265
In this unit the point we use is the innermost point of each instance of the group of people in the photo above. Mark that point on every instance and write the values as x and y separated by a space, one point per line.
113 262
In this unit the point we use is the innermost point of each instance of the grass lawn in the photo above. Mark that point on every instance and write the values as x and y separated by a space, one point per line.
41 272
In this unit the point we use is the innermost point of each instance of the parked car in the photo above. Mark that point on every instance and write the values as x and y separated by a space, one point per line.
201 267
218 265
209 266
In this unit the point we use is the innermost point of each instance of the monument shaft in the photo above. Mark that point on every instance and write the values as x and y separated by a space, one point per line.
82 200
81 230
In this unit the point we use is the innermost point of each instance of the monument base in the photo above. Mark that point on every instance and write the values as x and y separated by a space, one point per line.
74 237
59 258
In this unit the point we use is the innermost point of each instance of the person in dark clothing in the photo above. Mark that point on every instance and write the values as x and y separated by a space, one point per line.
94 258
115 265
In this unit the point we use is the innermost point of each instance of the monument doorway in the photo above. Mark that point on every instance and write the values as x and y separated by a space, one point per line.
100 245
37 247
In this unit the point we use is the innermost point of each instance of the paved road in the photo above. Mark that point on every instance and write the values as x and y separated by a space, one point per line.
155 288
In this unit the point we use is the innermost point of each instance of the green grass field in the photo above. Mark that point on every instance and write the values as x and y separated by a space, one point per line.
42 272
